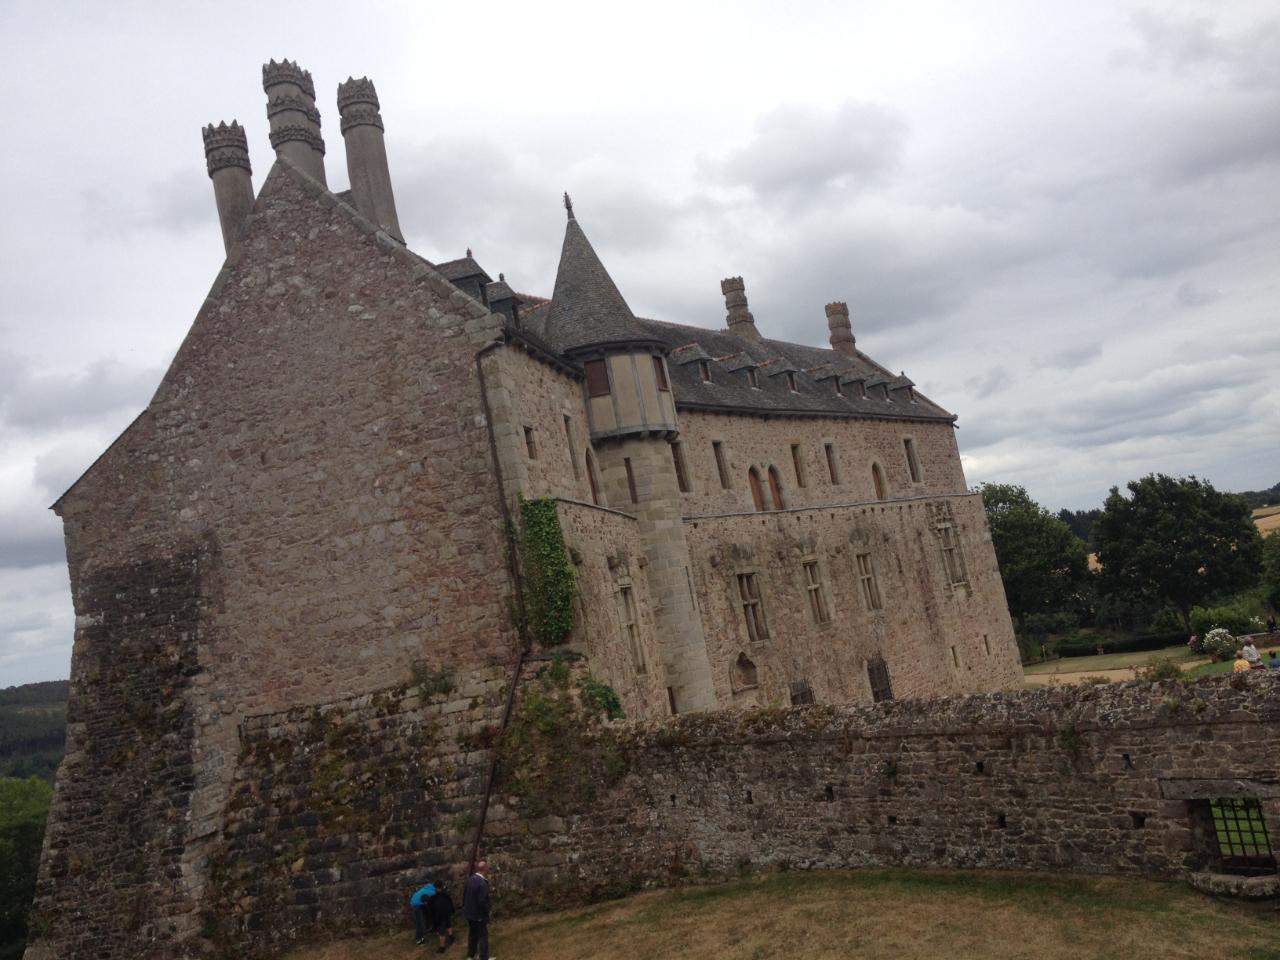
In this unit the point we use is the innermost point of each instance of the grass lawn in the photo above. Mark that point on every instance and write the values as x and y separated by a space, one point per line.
1109 661
877 915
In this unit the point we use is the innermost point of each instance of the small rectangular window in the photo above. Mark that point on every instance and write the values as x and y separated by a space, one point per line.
704 368
752 609
677 458
952 557
832 467
723 468
751 378
660 373
797 461
955 656
671 702
631 624
878 675
817 598
986 643
1244 845
573 457
631 479
529 444
597 378
862 390
801 693
791 382
867 578
835 382
913 465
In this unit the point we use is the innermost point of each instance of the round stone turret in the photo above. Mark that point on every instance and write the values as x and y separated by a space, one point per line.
226 153
367 154
295 121
842 340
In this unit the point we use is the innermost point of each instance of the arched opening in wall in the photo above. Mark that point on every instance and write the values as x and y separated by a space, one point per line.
592 479
877 477
744 675
757 492
775 488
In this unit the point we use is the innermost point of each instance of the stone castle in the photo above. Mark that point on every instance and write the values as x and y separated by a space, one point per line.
322 503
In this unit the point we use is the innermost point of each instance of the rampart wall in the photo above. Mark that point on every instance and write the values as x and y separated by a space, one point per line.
339 811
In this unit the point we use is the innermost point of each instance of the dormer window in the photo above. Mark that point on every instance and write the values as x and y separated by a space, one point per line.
597 378
835 382
791 382
751 378
862 390
704 368
660 372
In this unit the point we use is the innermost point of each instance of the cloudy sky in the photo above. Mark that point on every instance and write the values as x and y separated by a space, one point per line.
1061 219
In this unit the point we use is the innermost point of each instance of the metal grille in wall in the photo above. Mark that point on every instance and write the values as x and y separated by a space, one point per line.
1243 842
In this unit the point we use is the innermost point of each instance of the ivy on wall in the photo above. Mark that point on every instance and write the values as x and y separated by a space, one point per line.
550 582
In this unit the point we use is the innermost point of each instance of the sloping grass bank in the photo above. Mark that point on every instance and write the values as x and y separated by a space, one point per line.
900 914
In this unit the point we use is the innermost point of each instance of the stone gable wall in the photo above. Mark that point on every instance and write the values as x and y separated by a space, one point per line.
339 811
322 431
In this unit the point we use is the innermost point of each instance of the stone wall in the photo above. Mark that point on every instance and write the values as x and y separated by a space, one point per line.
935 638
339 811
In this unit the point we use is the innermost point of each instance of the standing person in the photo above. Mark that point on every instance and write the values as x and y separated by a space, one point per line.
440 912
419 904
1271 623
475 907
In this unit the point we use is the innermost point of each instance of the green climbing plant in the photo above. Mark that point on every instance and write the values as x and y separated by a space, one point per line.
550 582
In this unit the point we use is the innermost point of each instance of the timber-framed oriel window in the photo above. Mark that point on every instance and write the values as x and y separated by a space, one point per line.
752 607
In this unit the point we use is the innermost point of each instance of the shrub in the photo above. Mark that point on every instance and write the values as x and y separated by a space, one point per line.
1219 643
1233 618
1160 668
1087 645
1095 681
599 697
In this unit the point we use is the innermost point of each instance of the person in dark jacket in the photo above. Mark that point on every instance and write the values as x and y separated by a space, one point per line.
475 907
440 911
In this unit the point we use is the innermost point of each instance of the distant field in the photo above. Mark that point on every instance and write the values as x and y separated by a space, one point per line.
1267 519
877 915
33 726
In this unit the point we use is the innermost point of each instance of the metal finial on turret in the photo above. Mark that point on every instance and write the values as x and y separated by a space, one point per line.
502 278
468 251
568 205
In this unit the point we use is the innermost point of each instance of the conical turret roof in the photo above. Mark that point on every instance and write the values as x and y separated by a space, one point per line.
587 310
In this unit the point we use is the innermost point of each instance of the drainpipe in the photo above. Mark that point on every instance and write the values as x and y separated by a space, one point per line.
513 569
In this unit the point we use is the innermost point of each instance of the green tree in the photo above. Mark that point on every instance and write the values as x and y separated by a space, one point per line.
1178 541
1271 569
1043 564
24 806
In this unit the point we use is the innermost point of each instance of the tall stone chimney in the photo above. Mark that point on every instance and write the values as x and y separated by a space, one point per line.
226 151
841 330
367 154
739 319
295 121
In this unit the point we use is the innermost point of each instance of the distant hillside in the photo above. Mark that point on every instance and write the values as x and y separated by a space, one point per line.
1262 498
33 727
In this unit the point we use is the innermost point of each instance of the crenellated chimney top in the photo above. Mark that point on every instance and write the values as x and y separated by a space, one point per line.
226 153
842 340
739 317
295 121
367 154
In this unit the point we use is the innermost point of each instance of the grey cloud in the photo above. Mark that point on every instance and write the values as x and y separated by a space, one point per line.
175 204
993 381
1188 44
799 154
34 402
30 536
1073 357
57 469
1189 294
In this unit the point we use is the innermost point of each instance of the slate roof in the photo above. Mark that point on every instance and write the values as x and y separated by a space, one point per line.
461 268
587 310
